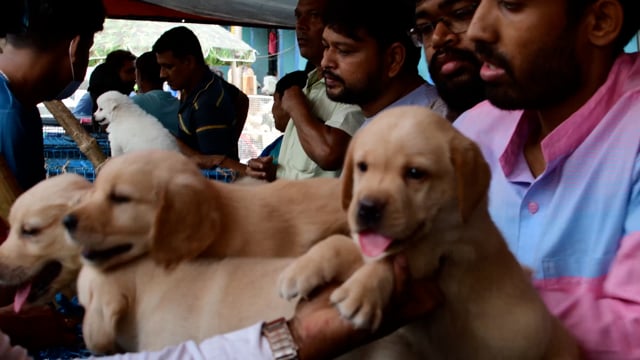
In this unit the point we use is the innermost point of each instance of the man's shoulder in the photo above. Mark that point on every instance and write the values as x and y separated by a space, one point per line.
484 115
154 94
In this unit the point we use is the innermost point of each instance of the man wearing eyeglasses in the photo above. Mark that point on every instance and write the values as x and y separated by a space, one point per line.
441 27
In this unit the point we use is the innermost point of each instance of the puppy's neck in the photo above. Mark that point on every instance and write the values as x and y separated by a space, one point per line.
453 242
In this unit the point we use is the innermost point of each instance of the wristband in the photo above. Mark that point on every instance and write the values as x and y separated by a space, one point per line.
280 339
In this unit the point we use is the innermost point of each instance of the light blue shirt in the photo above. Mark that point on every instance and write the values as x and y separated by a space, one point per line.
84 107
162 105
424 95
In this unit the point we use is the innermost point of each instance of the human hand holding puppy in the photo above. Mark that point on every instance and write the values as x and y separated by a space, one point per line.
320 332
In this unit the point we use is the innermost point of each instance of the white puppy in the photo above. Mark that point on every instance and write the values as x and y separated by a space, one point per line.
130 128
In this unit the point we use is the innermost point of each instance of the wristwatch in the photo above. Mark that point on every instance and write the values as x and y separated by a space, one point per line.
280 340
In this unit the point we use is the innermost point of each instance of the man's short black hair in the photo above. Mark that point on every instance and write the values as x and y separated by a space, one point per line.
105 78
46 22
148 68
386 22
181 41
117 58
294 78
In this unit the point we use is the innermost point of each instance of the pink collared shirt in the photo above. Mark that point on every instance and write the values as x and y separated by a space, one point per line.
577 225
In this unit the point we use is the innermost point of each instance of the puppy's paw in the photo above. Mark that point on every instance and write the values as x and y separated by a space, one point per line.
360 305
97 338
362 298
299 279
328 260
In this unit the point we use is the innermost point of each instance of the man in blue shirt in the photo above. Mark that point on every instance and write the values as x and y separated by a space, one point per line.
208 117
151 97
45 57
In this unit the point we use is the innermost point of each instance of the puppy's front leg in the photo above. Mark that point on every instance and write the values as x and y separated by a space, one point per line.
332 259
364 295
116 148
99 326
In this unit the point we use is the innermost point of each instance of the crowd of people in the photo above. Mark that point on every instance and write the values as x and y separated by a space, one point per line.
544 88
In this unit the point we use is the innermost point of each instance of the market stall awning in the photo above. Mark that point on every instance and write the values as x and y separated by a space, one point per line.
261 13
138 36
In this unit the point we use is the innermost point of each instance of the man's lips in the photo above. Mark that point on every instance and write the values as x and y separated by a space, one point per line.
330 80
449 64
450 67
490 72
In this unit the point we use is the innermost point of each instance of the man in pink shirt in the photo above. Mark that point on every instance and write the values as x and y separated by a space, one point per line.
562 137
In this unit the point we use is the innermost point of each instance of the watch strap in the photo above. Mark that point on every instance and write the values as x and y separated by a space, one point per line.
280 339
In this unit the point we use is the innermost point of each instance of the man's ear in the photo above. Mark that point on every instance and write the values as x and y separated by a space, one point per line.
396 56
190 61
604 22
73 48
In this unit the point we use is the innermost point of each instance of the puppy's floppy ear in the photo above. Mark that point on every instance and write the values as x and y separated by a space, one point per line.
472 174
184 220
347 177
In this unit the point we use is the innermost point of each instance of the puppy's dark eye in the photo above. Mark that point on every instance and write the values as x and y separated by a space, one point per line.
362 166
119 199
28 231
415 174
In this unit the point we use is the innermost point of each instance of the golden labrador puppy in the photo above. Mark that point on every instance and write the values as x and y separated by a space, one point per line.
38 256
159 202
142 305
145 306
414 185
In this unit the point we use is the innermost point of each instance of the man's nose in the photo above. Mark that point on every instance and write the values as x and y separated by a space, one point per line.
481 28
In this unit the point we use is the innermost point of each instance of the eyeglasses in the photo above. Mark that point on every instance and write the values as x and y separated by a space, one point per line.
457 22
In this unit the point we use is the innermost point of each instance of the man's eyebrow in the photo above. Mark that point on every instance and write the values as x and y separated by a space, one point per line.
442 5
341 43
449 3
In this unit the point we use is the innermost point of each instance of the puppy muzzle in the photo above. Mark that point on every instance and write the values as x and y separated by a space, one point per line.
370 213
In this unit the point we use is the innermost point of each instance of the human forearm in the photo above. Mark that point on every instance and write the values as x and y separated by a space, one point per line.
323 144
246 343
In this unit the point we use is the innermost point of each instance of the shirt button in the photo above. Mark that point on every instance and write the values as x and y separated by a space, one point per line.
533 207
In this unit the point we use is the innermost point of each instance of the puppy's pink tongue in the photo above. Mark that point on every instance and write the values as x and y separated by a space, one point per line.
21 297
373 245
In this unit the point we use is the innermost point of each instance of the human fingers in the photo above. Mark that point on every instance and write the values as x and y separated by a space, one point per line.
255 164
256 174
9 352
319 330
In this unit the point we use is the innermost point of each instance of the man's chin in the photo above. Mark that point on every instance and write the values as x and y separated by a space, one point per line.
336 96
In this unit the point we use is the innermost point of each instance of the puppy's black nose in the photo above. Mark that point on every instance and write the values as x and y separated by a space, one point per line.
370 212
70 221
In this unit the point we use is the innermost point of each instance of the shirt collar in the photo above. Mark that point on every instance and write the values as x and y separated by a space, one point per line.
565 138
